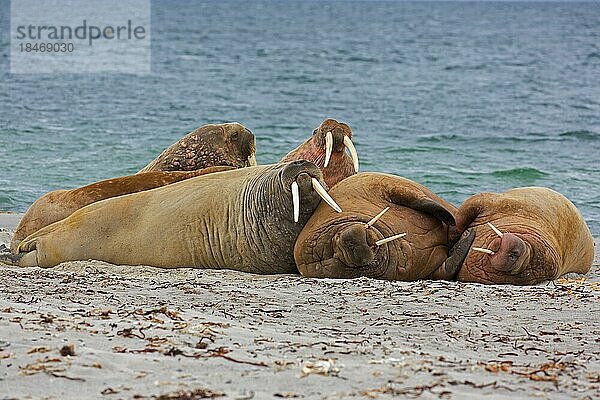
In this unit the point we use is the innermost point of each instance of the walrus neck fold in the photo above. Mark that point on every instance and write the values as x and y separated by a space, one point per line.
268 217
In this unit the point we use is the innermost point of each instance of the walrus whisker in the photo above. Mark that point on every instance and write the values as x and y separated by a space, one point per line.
296 200
324 195
389 239
328 147
252 160
486 251
353 153
376 218
495 229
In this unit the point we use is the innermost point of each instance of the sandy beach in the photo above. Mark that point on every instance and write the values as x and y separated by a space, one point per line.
94 330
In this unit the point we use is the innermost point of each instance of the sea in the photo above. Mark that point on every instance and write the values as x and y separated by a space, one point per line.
463 97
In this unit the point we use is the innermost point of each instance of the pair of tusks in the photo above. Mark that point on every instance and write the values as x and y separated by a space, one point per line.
488 251
252 160
349 145
320 191
384 240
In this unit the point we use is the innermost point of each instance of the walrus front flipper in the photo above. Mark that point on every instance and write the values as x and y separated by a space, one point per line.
433 208
408 196
450 268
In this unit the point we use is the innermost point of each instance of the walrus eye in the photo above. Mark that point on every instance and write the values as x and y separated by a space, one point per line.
315 132
235 136
513 255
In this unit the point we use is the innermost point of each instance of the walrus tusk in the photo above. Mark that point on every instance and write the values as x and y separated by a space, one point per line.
328 147
376 218
324 195
495 229
486 251
389 239
353 154
252 160
296 200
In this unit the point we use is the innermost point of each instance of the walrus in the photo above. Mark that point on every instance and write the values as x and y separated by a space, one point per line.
229 144
523 237
244 219
59 204
326 148
391 228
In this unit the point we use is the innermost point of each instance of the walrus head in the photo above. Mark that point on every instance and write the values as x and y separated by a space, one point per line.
326 148
277 202
229 144
512 258
511 245
391 228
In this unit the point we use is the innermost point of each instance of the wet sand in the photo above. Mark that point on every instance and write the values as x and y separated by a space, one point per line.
185 334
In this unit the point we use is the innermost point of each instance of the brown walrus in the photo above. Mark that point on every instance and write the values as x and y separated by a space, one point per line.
390 228
523 237
59 204
326 148
229 144
245 219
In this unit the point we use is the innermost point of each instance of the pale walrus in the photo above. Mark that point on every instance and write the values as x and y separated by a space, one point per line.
326 148
229 144
523 237
245 219
59 204
390 228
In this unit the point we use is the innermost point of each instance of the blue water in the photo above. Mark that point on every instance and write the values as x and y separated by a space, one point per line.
462 97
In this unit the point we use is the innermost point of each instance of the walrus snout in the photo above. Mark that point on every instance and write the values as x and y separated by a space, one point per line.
512 254
355 245
305 181
337 137
292 171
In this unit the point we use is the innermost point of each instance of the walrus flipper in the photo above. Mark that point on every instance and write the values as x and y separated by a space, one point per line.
458 253
431 207
12 259
407 196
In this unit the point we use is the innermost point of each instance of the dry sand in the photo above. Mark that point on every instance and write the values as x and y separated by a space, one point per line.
186 334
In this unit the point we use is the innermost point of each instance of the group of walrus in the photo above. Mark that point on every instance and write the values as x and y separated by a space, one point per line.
204 203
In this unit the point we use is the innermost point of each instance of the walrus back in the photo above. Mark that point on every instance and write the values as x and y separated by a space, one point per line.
169 226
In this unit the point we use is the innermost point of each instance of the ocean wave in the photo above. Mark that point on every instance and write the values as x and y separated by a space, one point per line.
582 134
520 173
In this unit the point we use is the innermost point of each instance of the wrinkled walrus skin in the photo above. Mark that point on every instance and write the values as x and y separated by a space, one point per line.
340 166
543 237
229 144
240 219
341 245
59 204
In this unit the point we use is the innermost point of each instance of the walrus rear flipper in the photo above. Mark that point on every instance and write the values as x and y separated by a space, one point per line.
450 268
12 259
